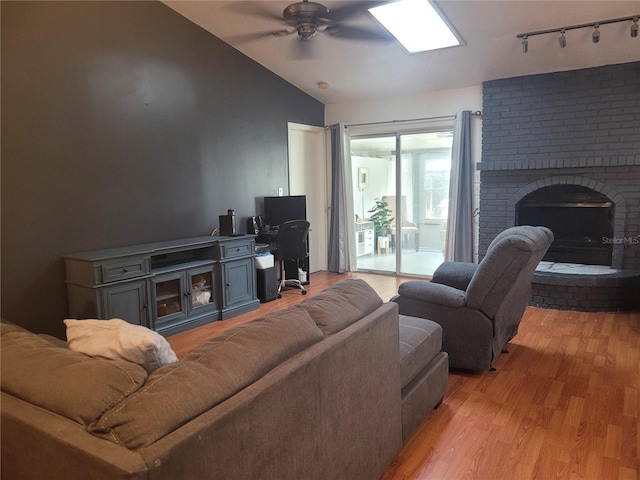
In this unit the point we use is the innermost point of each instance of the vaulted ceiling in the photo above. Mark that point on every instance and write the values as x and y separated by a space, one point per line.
357 70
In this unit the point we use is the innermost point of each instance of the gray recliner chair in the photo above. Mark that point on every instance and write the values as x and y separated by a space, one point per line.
479 306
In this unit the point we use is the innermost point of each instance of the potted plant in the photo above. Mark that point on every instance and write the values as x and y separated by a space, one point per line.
381 217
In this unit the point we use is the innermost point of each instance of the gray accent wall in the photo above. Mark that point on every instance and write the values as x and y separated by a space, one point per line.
125 123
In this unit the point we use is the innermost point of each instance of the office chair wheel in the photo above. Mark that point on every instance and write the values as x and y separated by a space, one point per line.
279 295
304 292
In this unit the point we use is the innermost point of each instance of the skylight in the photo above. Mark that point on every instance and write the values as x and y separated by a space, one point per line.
416 24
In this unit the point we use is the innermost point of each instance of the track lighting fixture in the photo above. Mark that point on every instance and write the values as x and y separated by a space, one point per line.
562 40
595 36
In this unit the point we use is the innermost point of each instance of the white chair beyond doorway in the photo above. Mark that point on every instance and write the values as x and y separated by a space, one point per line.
383 244
407 227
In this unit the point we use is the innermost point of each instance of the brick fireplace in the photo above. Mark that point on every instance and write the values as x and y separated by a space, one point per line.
563 150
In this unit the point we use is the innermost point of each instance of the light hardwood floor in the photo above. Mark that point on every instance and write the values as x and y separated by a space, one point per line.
562 404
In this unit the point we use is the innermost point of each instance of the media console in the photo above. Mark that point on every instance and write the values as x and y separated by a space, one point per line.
167 286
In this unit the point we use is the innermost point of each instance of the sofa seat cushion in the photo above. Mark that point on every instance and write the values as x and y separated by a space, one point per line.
420 342
342 304
210 374
62 381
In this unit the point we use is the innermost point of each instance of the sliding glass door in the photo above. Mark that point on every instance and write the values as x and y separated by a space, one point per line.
374 164
401 195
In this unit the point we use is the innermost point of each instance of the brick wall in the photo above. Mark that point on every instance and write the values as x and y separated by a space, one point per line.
578 127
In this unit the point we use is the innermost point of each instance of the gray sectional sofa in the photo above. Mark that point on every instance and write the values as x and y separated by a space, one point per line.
328 389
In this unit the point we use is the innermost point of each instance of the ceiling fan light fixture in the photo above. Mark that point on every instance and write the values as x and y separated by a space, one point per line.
562 40
595 36
307 30
417 25
634 28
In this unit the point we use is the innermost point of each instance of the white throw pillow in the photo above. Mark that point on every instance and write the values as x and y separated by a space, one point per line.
117 339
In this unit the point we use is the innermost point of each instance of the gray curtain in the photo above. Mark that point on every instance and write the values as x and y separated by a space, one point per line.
338 226
460 220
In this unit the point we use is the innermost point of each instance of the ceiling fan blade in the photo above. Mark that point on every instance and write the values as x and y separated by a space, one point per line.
354 33
250 37
352 8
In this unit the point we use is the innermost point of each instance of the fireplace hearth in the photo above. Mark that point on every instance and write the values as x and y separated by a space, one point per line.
586 288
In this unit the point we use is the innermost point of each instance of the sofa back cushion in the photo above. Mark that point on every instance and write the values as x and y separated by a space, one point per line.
7 327
68 383
213 372
342 304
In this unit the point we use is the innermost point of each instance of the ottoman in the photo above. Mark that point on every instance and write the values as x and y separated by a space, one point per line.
424 370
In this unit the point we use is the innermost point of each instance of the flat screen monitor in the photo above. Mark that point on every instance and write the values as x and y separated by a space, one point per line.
278 210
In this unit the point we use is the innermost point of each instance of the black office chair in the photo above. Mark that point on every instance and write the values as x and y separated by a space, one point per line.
291 245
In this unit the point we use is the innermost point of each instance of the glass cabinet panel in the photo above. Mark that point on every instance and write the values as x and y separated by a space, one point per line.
168 297
201 289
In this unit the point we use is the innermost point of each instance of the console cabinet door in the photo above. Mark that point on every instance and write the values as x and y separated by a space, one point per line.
127 301
183 297
201 287
238 281
169 299
238 285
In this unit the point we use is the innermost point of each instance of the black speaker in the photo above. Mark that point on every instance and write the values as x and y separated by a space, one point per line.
255 225
252 226
267 284
228 223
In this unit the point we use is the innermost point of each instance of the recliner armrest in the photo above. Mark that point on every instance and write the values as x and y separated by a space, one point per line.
433 293
455 274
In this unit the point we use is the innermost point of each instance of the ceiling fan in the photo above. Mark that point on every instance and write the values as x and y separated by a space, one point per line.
307 18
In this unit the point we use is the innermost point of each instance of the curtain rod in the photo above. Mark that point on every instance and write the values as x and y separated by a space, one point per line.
477 113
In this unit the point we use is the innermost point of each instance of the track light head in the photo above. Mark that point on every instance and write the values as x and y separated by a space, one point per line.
595 35
562 40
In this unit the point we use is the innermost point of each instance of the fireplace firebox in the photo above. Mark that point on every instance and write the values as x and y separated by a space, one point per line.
580 218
